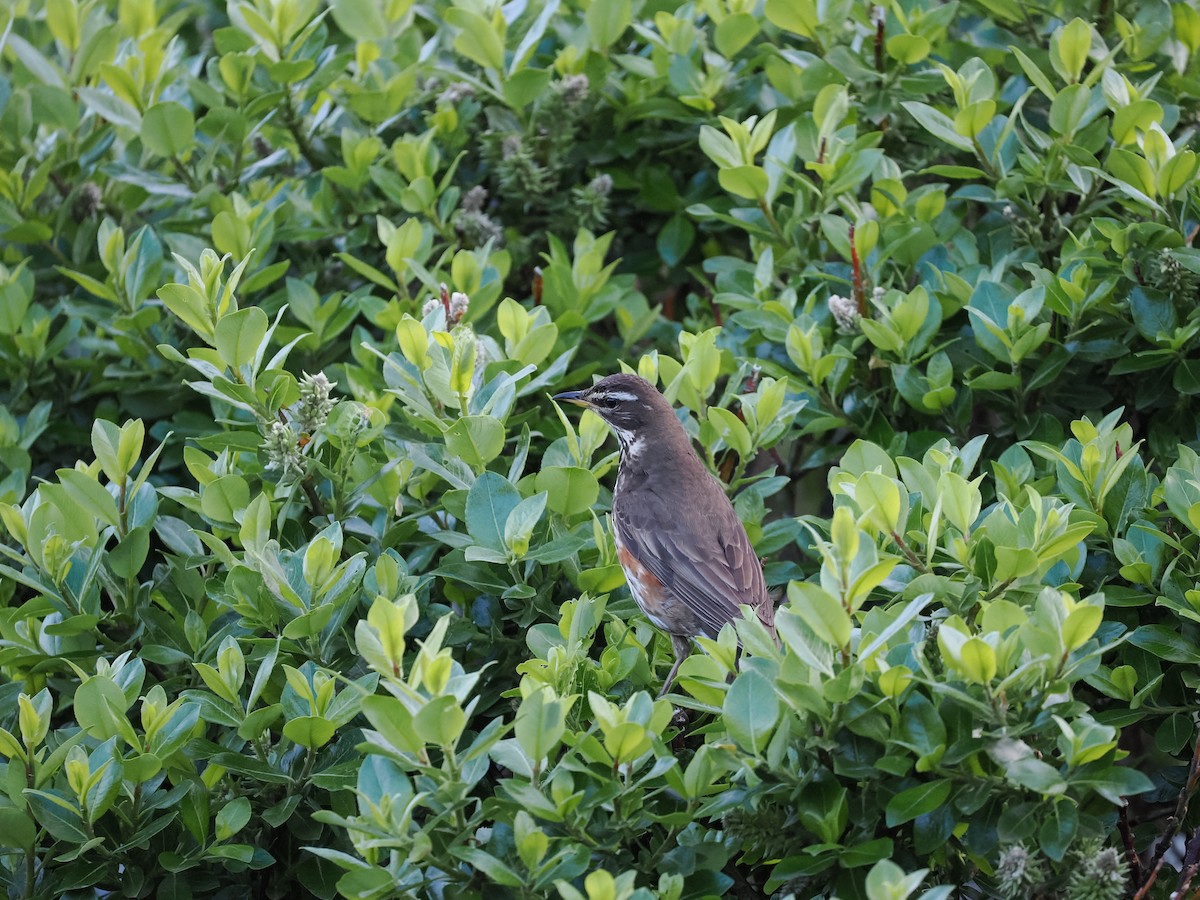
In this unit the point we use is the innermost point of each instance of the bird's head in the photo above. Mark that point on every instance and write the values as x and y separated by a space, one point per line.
632 406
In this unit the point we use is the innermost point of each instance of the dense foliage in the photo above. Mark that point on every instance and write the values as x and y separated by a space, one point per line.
307 586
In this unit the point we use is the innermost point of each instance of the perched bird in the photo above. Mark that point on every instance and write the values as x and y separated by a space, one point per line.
684 550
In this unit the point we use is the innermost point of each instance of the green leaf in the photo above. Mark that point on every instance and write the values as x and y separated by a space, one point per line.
882 335
1080 625
917 801
89 495
168 129
541 722
107 773
225 499
607 21
797 16
1132 170
675 239
232 818
881 501
719 147
239 336
971 120
1166 643
1039 78
490 501
15 302
751 710
477 39
995 381
130 439
750 182
359 19
57 815
734 32
440 721
192 308
1035 775
937 123
908 49
887 881
10 746
126 559
525 86
1114 783
100 708
731 430
366 270
977 660
518 529
495 870
1068 108
822 612
965 172
1136 116
393 721
476 440
1058 829
106 441
1153 312
1177 173
922 729
310 731
570 490
250 766
866 853
17 829
1071 45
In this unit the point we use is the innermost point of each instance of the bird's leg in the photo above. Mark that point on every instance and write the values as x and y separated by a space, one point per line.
682 647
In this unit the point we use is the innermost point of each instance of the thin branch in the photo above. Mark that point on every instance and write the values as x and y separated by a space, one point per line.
1191 863
1175 823
1135 864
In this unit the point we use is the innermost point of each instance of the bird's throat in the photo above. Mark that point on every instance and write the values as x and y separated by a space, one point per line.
631 444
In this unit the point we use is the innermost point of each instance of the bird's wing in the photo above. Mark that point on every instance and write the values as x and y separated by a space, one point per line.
712 568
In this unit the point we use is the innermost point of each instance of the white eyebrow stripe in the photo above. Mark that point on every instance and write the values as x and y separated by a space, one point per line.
621 396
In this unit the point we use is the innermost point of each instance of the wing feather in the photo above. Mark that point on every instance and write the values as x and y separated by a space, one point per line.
712 569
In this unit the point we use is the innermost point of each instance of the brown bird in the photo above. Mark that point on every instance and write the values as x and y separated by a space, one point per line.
684 550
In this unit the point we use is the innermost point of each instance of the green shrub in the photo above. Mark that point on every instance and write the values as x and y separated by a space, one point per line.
307 586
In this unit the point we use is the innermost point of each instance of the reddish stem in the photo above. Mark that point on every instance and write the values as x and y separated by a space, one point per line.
860 297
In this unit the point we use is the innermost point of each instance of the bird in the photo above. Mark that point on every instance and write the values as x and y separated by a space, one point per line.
685 552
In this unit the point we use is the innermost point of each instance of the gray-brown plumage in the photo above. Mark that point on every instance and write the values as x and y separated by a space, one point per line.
684 550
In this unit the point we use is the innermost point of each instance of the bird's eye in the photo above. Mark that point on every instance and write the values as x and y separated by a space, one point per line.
607 402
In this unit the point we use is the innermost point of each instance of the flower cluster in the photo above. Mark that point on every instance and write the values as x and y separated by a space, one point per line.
589 204
1018 872
315 404
283 451
1164 271
458 304
1100 873
474 226
520 173
284 442
845 313
573 88
456 93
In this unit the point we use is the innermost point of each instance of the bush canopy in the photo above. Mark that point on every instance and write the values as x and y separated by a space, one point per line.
307 588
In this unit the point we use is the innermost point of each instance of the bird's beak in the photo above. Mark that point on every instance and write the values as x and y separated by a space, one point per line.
575 397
